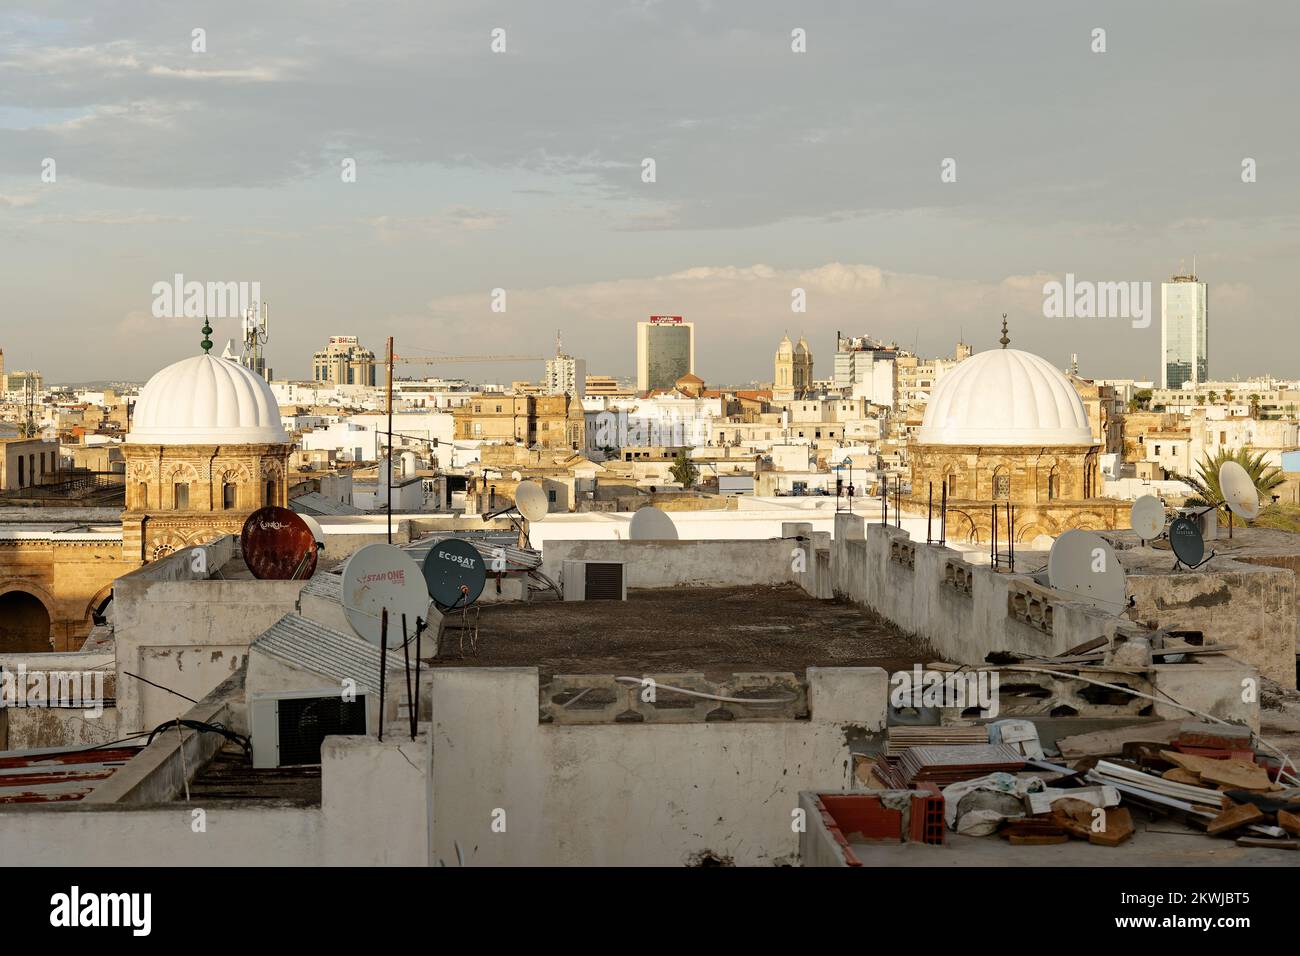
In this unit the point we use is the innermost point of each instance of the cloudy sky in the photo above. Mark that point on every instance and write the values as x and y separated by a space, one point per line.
522 170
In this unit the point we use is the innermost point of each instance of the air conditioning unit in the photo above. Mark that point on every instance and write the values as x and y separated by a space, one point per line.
595 581
288 729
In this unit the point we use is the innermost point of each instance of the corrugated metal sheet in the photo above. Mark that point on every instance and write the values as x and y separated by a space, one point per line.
518 560
55 776
314 503
327 585
313 647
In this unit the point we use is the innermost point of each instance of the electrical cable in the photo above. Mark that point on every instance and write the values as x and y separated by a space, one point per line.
205 727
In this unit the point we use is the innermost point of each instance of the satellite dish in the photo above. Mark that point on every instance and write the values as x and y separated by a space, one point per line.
1186 540
1238 491
1083 564
317 532
651 524
277 545
1147 517
381 576
454 573
531 500
515 476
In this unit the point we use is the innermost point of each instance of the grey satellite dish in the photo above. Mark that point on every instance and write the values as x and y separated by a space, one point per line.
531 501
651 524
1238 491
1147 517
455 575
1186 540
1083 564
381 577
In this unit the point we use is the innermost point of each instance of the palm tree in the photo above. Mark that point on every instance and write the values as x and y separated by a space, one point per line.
1266 477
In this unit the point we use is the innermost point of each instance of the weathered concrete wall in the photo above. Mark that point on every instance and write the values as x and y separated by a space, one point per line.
374 812
965 611
46 727
666 564
376 800
73 834
186 633
49 728
1247 605
631 794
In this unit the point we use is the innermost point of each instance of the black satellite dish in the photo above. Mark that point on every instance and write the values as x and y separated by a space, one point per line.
1188 544
454 572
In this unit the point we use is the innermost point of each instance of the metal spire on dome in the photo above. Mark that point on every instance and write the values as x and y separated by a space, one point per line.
1005 340
207 331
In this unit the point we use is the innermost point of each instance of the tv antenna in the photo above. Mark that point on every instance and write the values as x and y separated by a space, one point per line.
531 504
278 545
651 524
1082 563
255 336
1147 518
381 582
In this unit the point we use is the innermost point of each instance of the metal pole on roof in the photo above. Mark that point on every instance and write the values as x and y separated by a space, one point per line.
383 667
390 443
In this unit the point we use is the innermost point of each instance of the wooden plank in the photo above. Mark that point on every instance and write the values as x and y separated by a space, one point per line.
1119 827
1288 821
1265 843
1240 815
1105 743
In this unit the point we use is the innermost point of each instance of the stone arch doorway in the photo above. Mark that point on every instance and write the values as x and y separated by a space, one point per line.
24 623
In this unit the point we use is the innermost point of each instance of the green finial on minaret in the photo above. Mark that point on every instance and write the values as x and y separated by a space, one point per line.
207 331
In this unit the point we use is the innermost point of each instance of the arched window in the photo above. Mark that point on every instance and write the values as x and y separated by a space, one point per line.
270 493
952 484
1053 485
181 495
142 493
228 495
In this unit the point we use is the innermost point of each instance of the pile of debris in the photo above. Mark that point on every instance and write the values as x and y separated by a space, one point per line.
998 778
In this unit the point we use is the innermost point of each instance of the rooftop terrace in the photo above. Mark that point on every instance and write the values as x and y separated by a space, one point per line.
714 631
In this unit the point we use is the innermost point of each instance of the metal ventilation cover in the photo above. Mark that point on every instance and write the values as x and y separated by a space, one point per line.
289 731
595 581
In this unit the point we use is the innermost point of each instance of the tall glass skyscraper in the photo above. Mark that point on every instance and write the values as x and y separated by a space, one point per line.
1184 306
665 351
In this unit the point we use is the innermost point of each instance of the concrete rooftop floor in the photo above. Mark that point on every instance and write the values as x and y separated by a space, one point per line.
714 631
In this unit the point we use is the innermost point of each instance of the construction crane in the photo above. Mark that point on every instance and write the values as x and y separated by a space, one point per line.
439 359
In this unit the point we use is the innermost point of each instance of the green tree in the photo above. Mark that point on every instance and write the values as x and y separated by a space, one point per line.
683 471
1265 477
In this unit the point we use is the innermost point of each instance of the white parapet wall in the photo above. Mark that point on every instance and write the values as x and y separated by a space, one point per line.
965 611
716 563
510 790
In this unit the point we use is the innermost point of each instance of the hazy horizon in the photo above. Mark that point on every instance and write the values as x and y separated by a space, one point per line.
522 170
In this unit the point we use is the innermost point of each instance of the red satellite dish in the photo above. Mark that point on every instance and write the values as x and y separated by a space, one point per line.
278 545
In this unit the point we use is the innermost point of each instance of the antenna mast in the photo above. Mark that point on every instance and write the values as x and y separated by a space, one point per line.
255 335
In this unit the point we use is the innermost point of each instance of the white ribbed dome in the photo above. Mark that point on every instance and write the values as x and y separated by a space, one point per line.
206 400
1005 397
